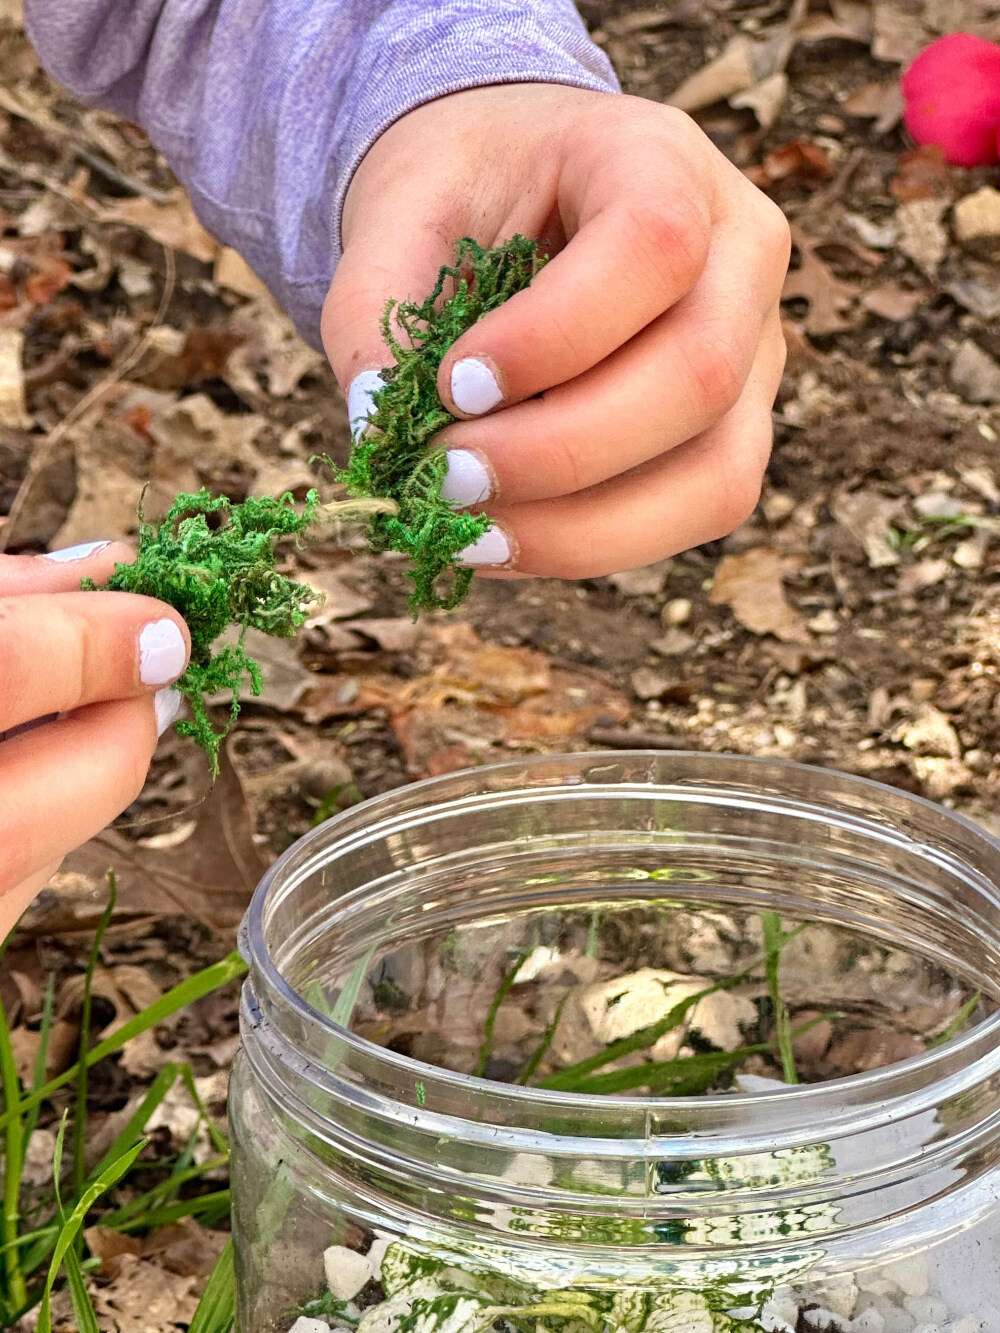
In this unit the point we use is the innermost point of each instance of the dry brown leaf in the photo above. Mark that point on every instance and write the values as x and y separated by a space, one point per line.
13 411
922 236
399 634
892 302
751 586
173 224
764 99
796 163
881 102
143 1297
731 72
867 515
272 349
900 35
922 173
233 272
815 282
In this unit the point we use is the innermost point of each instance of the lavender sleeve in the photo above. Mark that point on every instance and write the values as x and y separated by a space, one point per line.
264 108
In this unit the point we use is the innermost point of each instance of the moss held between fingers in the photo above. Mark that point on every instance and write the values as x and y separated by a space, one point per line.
391 459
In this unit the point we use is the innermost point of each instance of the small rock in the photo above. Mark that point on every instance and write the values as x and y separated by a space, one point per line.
376 1254
926 1309
971 554
676 612
826 622
932 734
642 582
979 761
975 374
970 1324
649 683
838 1294
346 1271
909 1274
978 214
868 1321
938 504
826 1321
675 643
304 1325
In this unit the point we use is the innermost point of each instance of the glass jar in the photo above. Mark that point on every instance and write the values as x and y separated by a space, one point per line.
377 1192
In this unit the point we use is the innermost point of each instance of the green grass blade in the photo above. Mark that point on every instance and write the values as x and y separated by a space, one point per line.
83 1069
775 940
179 997
542 1049
158 1089
663 1075
219 1141
958 1022
14 1147
208 1208
216 1310
71 1226
343 1009
83 1311
131 1213
503 990
42 1054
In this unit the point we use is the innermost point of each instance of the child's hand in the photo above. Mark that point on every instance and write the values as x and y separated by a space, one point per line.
635 376
102 659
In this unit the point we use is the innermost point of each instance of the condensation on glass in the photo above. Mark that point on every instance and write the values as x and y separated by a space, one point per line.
376 1192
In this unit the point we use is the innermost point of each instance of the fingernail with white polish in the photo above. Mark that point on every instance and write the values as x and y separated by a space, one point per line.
474 387
467 481
162 653
492 548
76 552
167 703
359 399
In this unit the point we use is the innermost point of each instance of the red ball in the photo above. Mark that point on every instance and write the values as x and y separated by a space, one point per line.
952 96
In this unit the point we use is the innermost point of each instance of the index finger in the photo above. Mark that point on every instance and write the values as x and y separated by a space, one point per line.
640 226
61 571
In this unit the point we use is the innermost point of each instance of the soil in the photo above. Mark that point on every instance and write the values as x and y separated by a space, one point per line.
852 623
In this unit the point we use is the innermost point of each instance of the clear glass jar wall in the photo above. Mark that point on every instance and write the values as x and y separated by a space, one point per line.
379 1193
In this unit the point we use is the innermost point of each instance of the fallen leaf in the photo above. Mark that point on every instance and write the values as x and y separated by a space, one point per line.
899 33
285 678
731 72
867 515
204 356
336 600
13 411
922 236
51 276
975 374
399 634
881 102
892 302
979 295
233 272
751 586
764 99
814 282
645 582
272 349
145 1298
173 224
798 162
922 173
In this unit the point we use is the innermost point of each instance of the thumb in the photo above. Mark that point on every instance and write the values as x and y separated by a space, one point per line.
375 269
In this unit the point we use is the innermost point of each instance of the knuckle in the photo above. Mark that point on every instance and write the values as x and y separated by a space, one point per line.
669 239
741 471
717 372
774 232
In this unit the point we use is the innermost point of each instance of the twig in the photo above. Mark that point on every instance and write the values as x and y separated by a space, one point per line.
619 739
126 362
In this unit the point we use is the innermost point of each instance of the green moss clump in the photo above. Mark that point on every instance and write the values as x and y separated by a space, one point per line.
392 461
216 576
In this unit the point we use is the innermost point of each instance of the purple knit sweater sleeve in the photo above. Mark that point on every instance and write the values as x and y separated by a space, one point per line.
264 108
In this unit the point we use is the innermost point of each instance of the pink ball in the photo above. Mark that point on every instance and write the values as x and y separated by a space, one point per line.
952 96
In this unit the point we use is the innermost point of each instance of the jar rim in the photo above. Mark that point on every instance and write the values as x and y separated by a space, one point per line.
907 1086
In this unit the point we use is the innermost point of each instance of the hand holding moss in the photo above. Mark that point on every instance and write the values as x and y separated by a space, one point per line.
618 409
98 668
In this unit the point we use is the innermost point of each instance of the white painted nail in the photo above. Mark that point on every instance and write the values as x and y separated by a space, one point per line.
474 388
467 481
162 653
359 399
492 548
76 552
167 703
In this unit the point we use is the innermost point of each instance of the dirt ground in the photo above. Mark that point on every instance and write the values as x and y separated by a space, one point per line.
852 623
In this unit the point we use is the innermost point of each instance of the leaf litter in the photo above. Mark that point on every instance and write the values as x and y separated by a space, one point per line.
871 418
